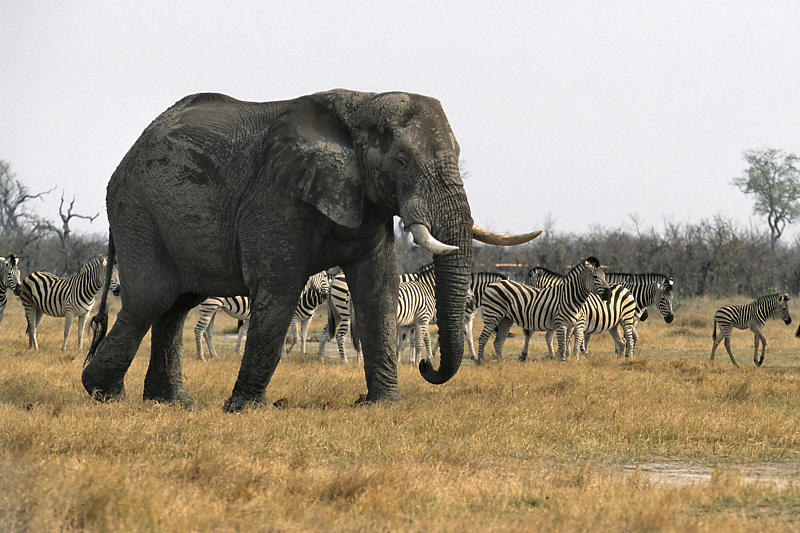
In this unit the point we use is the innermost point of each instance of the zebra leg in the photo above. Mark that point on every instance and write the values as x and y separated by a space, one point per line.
561 336
341 336
296 335
208 335
500 337
490 322
525 344
199 332
303 333
164 379
242 335
81 323
548 337
67 325
467 335
758 337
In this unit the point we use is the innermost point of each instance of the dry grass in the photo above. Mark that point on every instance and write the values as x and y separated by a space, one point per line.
505 446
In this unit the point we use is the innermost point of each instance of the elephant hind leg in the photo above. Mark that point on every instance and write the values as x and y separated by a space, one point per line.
164 379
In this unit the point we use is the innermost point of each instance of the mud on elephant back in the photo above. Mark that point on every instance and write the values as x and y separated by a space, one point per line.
223 197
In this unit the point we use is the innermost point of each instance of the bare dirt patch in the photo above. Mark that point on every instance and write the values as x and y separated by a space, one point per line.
675 473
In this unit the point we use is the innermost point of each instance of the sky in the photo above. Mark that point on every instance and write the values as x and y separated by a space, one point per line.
579 115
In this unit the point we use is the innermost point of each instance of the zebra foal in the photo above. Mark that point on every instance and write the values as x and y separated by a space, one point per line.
9 280
73 296
752 316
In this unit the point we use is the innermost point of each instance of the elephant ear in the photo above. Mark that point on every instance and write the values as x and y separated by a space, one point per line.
308 152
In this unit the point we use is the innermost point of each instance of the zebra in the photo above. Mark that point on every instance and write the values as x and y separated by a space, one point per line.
9 280
619 311
73 296
237 307
552 308
340 319
314 294
416 307
647 289
753 316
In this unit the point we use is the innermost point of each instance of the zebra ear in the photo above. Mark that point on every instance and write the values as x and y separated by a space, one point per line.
13 260
309 153
593 261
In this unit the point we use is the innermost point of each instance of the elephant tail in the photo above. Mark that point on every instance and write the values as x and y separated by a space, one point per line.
99 324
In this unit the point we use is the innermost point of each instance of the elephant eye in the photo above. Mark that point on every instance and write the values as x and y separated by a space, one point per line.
401 158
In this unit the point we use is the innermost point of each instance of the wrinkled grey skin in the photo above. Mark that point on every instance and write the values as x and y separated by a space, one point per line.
222 197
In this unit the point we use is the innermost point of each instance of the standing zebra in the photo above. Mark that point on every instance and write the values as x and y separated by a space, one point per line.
9 279
44 293
753 316
238 307
416 307
647 289
598 315
340 319
557 307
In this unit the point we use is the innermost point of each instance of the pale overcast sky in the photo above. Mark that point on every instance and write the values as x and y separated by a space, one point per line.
585 111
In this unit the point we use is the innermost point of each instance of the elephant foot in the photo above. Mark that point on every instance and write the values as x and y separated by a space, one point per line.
100 389
371 397
237 402
176 394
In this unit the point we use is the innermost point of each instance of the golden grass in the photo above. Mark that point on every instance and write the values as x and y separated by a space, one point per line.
505 446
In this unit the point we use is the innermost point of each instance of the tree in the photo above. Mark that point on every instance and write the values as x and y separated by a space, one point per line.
64 233
19 226
773 178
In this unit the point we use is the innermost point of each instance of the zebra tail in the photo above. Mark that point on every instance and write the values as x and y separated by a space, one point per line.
99 323
797 333
714 335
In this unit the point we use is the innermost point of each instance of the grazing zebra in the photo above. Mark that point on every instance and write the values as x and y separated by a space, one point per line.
9 279
753 316
238 307
44 293
599 316
552 308
340 319
314 294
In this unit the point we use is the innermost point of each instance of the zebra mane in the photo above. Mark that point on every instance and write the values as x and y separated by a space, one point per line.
425 268
545 270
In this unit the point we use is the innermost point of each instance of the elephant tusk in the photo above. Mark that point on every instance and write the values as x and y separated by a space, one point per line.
502 239
423 237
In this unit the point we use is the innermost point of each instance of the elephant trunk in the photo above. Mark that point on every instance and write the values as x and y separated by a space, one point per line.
445 211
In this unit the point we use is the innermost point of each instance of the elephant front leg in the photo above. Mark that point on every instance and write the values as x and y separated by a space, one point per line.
373 285
164 379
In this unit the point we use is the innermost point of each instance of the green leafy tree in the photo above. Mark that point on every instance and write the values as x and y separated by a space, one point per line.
773 178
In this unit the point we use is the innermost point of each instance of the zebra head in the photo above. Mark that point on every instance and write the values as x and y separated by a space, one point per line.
115 286
783 306
665 300
319 283
9 274
599 284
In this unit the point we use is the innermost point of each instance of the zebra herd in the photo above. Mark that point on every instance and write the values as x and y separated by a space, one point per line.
570 306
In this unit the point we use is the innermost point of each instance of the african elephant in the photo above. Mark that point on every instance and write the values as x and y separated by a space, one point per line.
224 197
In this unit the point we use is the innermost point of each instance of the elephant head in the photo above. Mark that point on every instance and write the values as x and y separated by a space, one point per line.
396 154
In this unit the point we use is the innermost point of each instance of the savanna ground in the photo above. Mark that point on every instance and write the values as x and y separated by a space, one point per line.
665 441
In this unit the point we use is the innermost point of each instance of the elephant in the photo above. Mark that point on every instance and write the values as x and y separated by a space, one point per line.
225 197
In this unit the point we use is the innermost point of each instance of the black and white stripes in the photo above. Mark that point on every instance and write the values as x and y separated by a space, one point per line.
44 293
751 316
9 280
